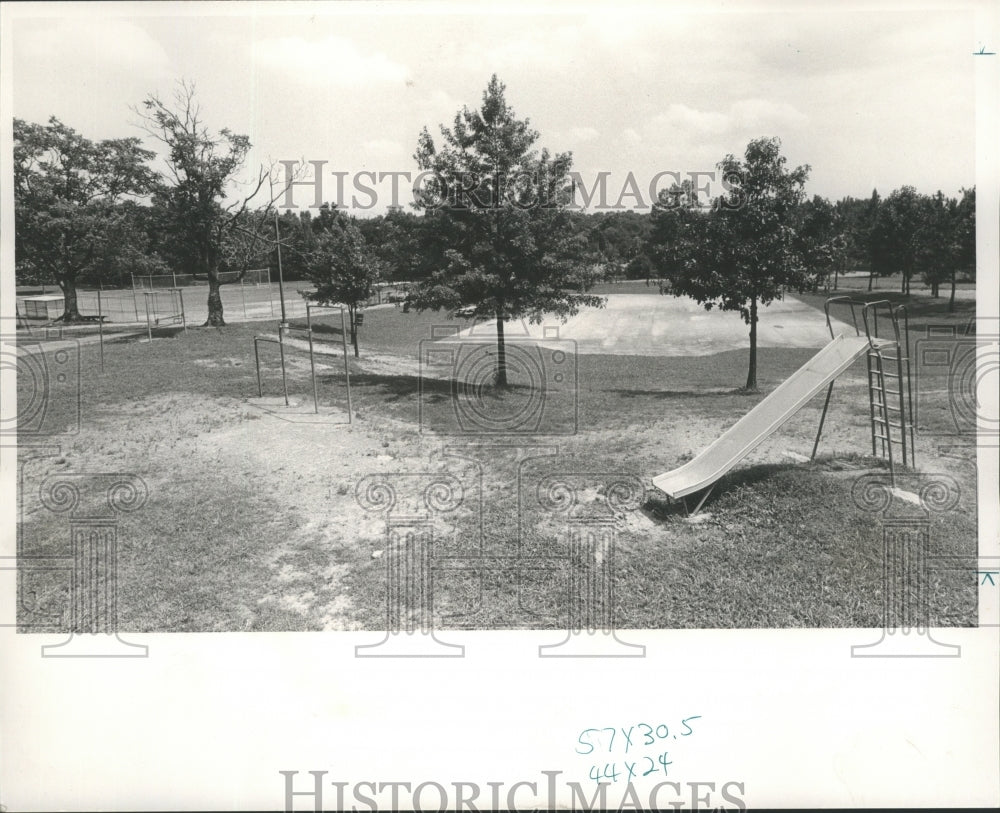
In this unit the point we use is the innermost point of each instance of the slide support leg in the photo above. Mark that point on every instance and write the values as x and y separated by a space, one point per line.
822 419
701 502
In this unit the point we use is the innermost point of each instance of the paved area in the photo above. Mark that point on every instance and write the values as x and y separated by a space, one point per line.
655 325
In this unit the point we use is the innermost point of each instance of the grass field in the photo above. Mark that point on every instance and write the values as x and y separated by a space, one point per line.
252 521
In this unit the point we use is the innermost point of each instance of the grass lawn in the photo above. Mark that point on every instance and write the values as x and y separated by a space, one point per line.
252 521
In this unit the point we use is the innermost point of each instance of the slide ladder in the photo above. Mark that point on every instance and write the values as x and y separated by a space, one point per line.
890 399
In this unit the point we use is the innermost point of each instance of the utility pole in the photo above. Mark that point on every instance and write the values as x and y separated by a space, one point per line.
281 278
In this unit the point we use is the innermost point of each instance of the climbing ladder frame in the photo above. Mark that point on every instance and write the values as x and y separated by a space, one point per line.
890 407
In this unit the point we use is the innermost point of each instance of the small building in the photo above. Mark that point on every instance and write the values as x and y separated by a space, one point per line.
43 306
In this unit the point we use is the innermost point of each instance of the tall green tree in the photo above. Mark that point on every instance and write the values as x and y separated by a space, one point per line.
675 231
743 254
894 236
965 240
936 247
869 234
820 239
214 232
496 217
68 192
344 269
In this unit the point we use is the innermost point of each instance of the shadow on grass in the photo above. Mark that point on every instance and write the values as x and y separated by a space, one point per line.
920 307
667 394
658 506
391 387
318 328
433 390
140 335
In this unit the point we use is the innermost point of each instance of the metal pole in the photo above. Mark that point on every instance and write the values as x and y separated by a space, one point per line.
822 418
281 277
312 363
270 291
871 398
347 369
909 390
887 441
256 355
281 347
100 326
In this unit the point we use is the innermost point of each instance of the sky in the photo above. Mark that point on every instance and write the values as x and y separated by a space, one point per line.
867 98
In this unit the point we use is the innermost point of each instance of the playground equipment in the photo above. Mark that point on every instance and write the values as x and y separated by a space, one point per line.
890 407
174 310
280 341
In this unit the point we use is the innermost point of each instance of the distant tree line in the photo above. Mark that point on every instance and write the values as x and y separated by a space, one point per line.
94 212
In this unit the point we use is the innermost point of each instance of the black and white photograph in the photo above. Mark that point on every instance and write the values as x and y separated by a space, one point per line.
479 406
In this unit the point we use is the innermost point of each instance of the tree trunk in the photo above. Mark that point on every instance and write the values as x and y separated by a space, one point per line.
934 289
951 300
836 277
871 275
752 372
71 311
501 373
214 302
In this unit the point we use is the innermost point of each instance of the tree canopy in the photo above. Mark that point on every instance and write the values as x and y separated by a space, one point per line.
212 234
344 269
69 193
498 226
742 253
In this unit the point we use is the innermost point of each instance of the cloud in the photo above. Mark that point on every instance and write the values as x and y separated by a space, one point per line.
333 59
383 146
689 120
631 136
580 134
681 121
762 114
102 44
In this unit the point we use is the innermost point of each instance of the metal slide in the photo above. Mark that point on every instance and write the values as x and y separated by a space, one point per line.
765 418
